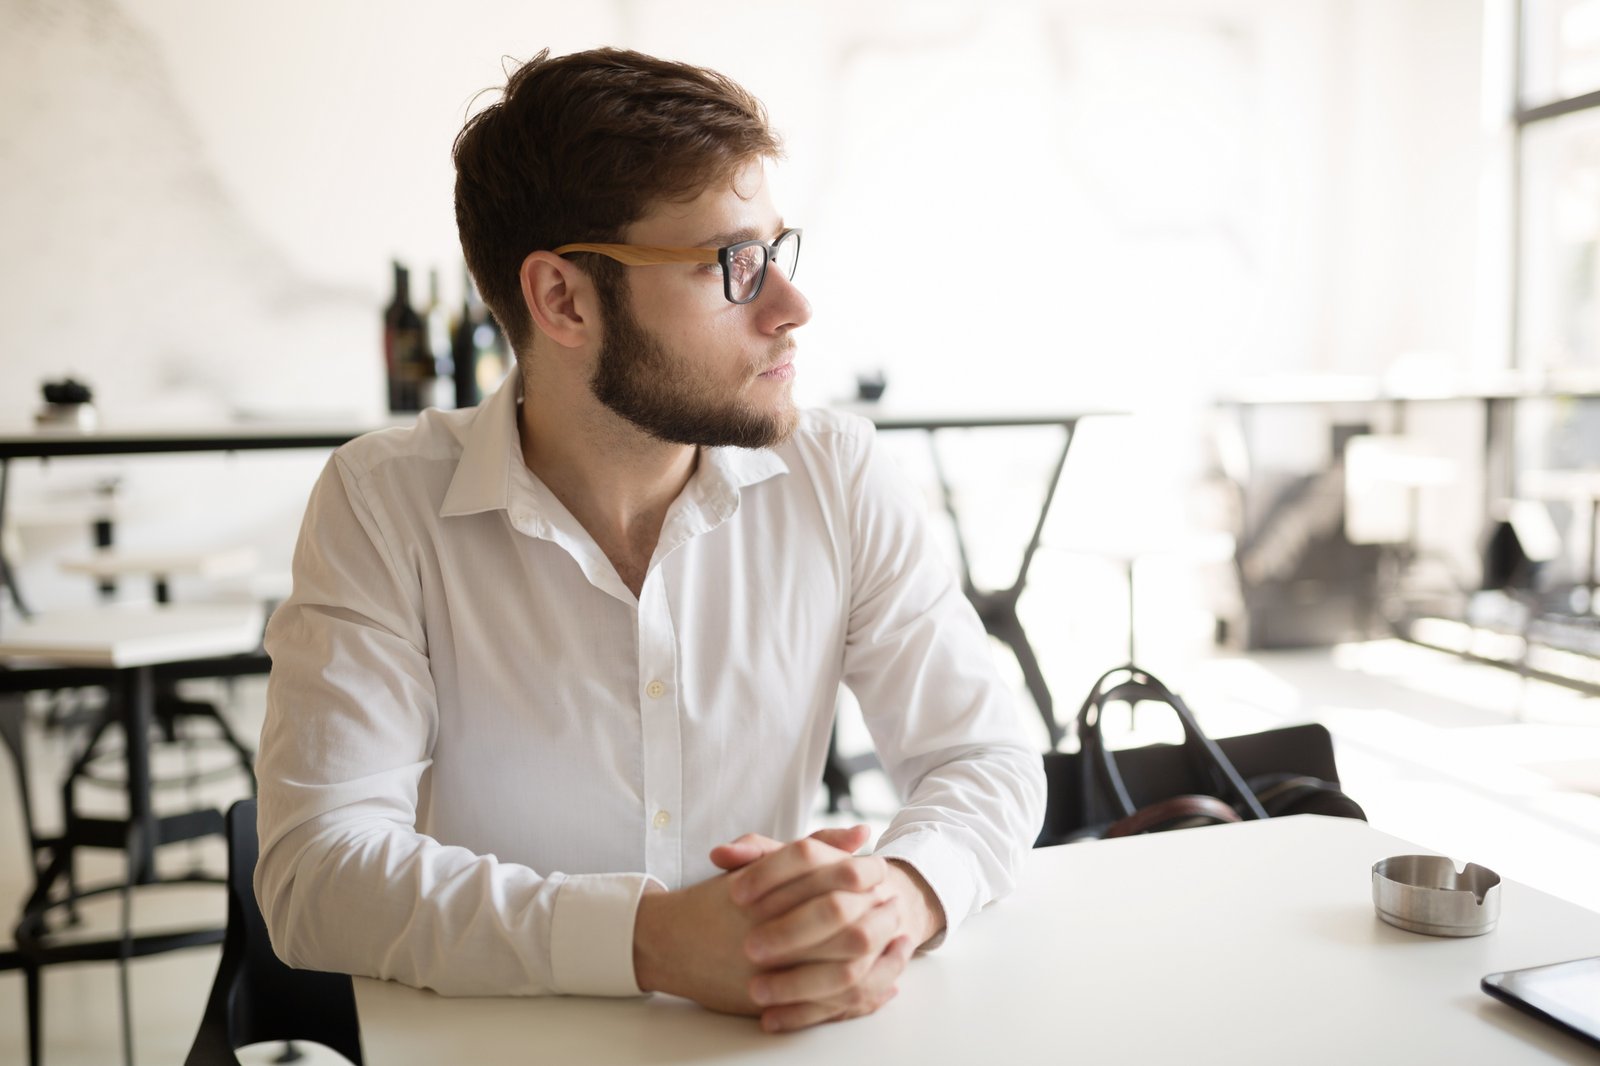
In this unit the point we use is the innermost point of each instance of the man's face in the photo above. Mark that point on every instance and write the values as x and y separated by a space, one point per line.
681 362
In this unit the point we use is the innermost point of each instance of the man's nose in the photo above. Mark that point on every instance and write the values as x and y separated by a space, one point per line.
781 305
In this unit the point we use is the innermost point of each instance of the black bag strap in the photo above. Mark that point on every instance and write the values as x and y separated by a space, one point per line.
1290 793
1101 781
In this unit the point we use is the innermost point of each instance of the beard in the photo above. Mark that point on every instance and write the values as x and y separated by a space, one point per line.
642 380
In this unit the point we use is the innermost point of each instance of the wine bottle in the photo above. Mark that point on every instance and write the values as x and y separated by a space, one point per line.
463 356
437 322
478 348
405 346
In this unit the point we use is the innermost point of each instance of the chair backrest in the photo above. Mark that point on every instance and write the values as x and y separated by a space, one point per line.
256 998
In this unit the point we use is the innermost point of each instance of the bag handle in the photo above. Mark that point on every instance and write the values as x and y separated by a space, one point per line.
1101 781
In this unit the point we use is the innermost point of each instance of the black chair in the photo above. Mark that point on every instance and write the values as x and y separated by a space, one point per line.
256 998
44 935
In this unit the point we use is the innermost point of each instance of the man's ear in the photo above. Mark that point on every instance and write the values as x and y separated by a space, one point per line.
559 297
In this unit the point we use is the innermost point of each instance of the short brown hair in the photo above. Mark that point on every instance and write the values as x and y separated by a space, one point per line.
580 146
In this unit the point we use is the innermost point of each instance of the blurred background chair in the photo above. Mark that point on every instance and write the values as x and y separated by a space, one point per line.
256 997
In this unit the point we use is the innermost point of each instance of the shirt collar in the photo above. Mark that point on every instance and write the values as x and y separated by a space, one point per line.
483 476
482 480
724 471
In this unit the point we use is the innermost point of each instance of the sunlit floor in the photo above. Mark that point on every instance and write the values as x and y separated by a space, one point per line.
1460 759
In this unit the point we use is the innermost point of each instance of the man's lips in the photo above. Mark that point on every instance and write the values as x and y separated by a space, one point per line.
782 368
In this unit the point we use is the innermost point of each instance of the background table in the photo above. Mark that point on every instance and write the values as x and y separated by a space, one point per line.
122 648
48 443
1238 944
996 608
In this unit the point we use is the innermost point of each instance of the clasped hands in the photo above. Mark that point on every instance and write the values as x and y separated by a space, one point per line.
798 933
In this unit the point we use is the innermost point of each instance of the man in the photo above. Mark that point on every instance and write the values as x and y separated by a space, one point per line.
550 663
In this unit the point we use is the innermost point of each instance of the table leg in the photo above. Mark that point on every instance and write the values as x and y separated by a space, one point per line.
138 700
998 609
999 616
8 577
1594 549
947 497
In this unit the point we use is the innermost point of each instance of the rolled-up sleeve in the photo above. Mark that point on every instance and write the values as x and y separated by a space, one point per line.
943 722
345 880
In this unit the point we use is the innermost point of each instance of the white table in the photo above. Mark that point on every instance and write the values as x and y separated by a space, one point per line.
1238 944
121 646
124 636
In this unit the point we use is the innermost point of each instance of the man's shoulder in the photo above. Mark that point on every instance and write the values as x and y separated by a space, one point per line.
827 442
435 435
827 427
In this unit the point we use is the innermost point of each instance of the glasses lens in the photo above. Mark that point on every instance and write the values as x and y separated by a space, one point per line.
787 253
746 264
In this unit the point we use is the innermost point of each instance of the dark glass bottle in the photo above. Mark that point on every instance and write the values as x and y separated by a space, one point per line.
405 348
478 348
436 320
463 356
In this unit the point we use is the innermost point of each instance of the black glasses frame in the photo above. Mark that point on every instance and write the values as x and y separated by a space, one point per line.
770 254
655 255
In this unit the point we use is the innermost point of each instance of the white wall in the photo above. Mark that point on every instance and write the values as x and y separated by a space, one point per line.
1062 200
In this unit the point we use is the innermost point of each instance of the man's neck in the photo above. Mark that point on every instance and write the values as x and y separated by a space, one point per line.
617 480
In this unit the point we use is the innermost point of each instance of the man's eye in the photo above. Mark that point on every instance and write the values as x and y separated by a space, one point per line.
746 264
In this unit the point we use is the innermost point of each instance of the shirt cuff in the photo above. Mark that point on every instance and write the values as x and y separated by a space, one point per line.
591 934
948 871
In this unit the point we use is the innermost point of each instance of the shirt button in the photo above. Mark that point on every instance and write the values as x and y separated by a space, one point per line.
655 690
661 819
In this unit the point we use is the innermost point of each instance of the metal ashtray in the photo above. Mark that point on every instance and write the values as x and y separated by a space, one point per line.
1427 894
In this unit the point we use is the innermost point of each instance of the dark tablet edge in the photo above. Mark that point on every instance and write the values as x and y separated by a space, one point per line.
1489 985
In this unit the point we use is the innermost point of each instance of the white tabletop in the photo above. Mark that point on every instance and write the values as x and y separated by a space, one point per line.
1249 943
128 635
1582 485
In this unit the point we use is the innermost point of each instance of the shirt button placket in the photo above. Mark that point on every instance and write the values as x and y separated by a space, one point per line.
659 726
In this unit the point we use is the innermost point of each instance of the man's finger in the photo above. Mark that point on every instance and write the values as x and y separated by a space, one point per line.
860 873
849 838
809 982
800 1016
835 926
774 870
828 980
752 846
870 993
743 851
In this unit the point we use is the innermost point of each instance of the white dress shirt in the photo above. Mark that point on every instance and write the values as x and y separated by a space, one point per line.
479 744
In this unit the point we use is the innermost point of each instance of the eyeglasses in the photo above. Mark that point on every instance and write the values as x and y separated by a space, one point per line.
744 265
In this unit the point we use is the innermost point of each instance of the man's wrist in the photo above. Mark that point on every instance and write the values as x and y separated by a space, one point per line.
921 901
650 920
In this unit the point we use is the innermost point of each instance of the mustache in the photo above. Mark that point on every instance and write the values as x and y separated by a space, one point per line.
782 352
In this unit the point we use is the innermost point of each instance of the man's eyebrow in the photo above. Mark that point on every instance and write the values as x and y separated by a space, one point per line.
747 233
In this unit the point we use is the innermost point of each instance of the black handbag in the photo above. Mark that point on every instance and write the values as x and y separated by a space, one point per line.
1095 793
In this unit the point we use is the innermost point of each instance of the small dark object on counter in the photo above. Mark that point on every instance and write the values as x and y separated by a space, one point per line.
869 387
67 391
